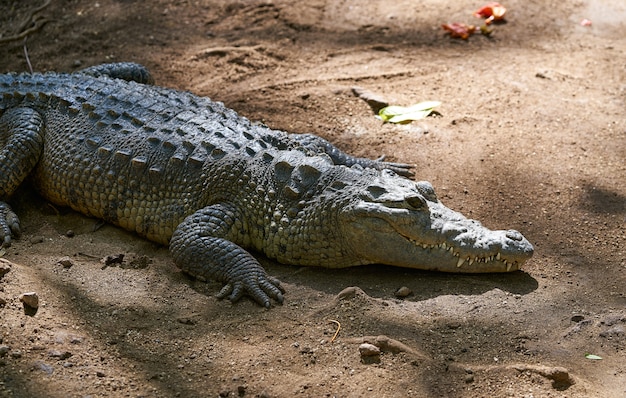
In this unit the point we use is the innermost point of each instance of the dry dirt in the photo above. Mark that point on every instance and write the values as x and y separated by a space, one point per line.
531 135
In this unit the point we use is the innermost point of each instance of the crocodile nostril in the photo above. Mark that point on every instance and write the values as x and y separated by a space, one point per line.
514 235
416 201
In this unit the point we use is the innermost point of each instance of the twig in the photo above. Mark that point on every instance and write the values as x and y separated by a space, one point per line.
58 213
29 19
338 329
30 66
22 32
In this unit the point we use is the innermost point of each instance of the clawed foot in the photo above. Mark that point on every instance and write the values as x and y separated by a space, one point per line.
402 169
9 225
399 168
261 288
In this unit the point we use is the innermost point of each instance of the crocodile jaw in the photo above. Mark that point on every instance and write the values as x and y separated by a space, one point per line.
436 238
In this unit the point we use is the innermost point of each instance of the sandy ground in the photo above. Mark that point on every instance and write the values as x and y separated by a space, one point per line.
531 135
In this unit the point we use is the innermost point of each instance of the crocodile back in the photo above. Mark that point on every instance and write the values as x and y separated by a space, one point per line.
139 156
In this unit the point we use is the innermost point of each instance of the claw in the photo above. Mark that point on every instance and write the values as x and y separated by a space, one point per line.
261 293
237 293
399 168
9 225
225 291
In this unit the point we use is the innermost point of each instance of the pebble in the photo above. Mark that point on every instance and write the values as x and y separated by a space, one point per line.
66 262
113 259
44 367
350 292
403 292
36 240
369 350
5 267
30 299
4 350
61 355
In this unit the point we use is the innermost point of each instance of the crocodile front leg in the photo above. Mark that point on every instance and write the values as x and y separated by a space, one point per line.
21 144
318 144
201 246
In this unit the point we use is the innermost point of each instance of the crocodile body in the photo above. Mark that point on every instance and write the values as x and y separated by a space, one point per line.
186 171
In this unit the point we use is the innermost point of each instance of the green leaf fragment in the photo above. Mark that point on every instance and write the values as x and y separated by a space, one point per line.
592 356
403 114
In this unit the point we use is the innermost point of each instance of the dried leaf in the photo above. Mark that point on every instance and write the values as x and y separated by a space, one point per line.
458 29
403 114
492 11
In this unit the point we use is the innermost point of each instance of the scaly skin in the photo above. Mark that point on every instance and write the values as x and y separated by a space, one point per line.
185 171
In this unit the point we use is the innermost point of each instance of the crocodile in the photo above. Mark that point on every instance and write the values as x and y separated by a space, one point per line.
188 172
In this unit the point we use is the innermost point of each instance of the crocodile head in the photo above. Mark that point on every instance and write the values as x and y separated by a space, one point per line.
400 222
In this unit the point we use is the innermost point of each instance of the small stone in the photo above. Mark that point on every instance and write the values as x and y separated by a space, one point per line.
61 355
469 378
100 373
65 262
3 302
4 350
44 367
112 259
577 318
349 293
76 340
70 233
186 320
403 292
5 267
36 240
17 354
30 299
369 350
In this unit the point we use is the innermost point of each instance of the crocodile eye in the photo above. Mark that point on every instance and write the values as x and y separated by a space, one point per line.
416 201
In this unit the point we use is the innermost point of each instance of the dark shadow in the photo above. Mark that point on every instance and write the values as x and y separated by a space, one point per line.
602 201
383 281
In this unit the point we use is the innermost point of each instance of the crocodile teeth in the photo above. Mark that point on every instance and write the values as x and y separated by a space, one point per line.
460 262
508 266
471 261
498 257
